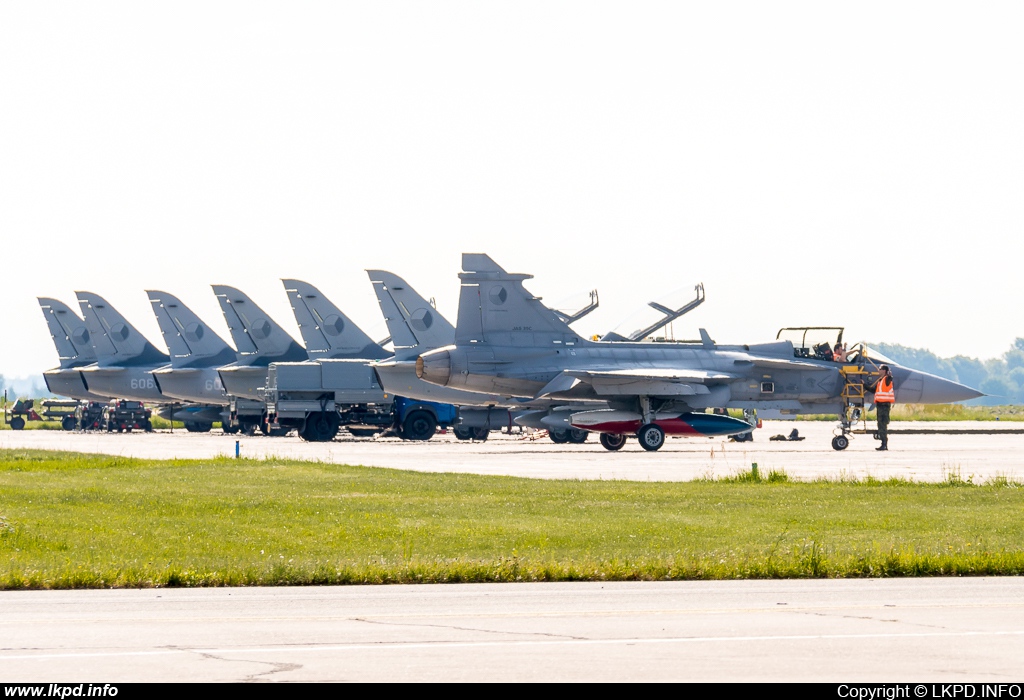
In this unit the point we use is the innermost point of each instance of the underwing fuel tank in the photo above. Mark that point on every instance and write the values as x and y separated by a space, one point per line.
672 422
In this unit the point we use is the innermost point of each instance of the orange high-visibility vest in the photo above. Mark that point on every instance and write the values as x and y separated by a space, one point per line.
884 391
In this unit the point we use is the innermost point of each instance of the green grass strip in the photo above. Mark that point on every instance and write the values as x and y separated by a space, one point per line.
90 521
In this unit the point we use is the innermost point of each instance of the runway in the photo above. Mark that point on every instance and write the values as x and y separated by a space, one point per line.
820 630
919 457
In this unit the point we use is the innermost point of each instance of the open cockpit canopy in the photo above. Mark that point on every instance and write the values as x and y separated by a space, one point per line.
812 341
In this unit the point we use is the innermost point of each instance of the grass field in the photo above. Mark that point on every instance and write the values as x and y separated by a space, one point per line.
85 521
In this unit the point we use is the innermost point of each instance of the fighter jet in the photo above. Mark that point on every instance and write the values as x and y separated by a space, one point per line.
71 338
326 332
259 340
507 341
125 358
196 354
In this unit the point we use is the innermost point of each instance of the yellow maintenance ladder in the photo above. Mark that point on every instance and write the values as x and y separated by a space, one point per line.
853 418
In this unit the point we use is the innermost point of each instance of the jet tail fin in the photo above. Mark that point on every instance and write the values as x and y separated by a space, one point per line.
414 324
69 333
495 308
123 344
326 331
257 337
190 341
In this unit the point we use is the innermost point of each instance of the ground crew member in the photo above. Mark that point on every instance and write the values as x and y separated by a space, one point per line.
885 397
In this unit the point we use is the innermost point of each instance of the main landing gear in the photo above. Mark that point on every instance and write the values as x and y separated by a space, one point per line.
650 436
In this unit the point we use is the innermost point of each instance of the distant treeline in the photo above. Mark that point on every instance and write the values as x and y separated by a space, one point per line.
1002 378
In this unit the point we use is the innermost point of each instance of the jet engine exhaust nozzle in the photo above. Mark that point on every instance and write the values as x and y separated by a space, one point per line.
434 366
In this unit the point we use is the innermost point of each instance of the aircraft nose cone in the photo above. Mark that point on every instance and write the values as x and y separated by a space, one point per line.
939 390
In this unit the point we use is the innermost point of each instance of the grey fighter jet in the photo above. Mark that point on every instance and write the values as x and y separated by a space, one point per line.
259 340
71 338
327 332
507 341
196 354
125 358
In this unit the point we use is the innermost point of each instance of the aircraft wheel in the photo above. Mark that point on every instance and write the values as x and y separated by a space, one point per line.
743 437
462 433
480 434
578 436
651 437
192 427
419 425
68 423
840 442
612 441
17 423
559 437
229 429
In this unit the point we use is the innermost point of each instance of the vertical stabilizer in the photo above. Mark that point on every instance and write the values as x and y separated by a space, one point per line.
69 333
414 324
326 331
190 341
116 341
495 308
257 337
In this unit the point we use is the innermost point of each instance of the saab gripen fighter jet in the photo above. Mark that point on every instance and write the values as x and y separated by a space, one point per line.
196 354
125 359
259 340
507 341
327 333
72 340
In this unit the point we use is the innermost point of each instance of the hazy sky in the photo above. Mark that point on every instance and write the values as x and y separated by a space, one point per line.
855 164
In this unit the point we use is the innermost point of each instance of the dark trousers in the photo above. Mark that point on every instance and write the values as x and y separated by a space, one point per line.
882 413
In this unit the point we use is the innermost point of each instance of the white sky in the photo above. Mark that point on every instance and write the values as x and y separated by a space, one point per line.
856 164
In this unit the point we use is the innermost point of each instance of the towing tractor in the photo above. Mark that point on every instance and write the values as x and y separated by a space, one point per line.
123 415
317 398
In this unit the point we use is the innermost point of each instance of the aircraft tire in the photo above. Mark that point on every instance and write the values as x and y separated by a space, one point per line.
577 436
419 425
229 429
68 423
462 433
840 442
559 437
480 434
612 441
17 423
651 437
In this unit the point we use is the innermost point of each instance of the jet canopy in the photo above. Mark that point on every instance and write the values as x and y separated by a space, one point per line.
642 324
812 341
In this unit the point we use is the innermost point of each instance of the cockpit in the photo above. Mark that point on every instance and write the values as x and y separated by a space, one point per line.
818 342
826 343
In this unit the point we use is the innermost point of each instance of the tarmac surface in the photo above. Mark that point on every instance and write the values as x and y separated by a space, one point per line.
916 630
923 457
